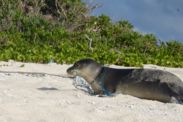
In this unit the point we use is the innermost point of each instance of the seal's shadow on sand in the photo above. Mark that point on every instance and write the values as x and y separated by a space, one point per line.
45 88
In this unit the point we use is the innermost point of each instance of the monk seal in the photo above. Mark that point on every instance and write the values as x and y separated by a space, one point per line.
143 83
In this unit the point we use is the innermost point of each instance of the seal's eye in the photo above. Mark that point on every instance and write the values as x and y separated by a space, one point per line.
77 65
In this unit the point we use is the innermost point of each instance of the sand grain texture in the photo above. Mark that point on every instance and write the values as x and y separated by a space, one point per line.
54 99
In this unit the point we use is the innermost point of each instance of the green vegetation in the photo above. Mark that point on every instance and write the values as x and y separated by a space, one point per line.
23 65
39 30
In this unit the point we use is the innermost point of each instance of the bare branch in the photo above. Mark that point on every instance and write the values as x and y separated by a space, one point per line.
78 12
34 37
97 30
97 6
38 5
4 39
90 42
56 2
116 51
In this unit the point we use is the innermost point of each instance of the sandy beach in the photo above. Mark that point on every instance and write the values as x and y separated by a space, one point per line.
25 98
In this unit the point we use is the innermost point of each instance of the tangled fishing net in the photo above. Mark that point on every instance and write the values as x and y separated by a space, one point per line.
80 82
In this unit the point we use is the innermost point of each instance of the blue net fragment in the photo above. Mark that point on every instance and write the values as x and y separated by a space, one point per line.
78 81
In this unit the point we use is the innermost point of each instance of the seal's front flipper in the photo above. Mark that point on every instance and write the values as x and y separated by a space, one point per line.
102 95
174 100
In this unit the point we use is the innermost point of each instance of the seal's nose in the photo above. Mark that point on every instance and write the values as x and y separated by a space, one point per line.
70 70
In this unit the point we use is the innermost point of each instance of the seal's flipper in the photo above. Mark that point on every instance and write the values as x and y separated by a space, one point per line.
174 100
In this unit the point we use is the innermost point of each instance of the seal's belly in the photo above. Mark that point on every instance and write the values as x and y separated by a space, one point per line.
145 92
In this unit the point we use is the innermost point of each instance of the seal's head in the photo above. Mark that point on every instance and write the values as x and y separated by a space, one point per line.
87 69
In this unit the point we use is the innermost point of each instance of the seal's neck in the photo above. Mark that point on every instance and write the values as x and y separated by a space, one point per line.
100 75
96 86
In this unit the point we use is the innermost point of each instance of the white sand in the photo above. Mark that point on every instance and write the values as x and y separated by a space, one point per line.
55 99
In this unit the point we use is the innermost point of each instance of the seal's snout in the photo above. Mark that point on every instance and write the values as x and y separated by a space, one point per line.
71 71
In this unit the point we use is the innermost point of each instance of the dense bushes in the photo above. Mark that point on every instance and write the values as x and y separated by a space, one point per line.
30 37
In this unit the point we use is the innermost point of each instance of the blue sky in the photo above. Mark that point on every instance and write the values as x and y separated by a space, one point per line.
159 17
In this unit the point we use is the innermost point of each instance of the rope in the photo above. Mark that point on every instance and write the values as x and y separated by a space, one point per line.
107 93
51 60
